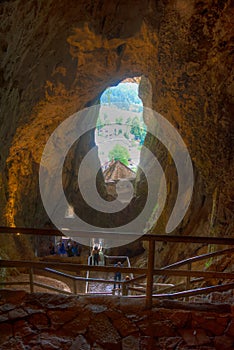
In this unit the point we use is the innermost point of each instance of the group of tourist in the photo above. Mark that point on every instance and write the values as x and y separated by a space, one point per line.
72 248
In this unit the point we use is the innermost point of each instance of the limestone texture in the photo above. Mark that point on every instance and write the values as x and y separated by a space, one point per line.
58 57
57 322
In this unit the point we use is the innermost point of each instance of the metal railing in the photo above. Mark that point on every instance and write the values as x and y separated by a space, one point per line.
148 273
107 259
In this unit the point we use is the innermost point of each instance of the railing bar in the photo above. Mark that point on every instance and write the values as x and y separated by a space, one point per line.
192 292
84 279
156 284
139 290
192 281
45 286
197 258
116 256
60 273
74 267
169 295
98 293
14 283
195 280
146 237
137 278
70 266
195 273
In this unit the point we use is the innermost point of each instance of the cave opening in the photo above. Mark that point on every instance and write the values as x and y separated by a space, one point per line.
120 129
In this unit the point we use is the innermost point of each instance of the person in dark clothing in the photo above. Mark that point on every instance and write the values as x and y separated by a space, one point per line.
51 249
61 248
75 249
117 276
69 250
95 255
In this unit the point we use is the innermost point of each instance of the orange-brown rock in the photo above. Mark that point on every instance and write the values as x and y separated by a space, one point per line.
58 57
134 329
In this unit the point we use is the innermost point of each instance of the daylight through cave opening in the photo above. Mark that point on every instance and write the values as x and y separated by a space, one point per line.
120 129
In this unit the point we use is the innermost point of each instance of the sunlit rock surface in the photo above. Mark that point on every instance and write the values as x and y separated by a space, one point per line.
58 57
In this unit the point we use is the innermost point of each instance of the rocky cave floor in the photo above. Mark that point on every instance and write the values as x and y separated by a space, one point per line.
44 321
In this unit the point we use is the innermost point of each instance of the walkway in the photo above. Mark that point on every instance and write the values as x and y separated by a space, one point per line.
96 287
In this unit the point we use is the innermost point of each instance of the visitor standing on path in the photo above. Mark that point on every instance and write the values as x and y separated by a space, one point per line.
61 248
117 276
95 255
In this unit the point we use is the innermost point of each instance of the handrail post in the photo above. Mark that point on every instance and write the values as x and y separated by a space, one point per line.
150 276
125 287
188 280
31 280
74 286
188 277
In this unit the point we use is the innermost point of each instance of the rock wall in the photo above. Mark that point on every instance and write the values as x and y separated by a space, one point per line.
46 321
57 58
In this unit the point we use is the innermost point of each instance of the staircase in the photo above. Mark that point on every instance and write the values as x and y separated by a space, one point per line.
101 286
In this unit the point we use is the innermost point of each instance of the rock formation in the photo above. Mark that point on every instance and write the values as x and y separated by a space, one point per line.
44 321
58 57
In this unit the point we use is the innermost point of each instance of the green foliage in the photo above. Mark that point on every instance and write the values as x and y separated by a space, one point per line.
208 263
123 95
119 120
129 121
126 135
138 130
119 153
